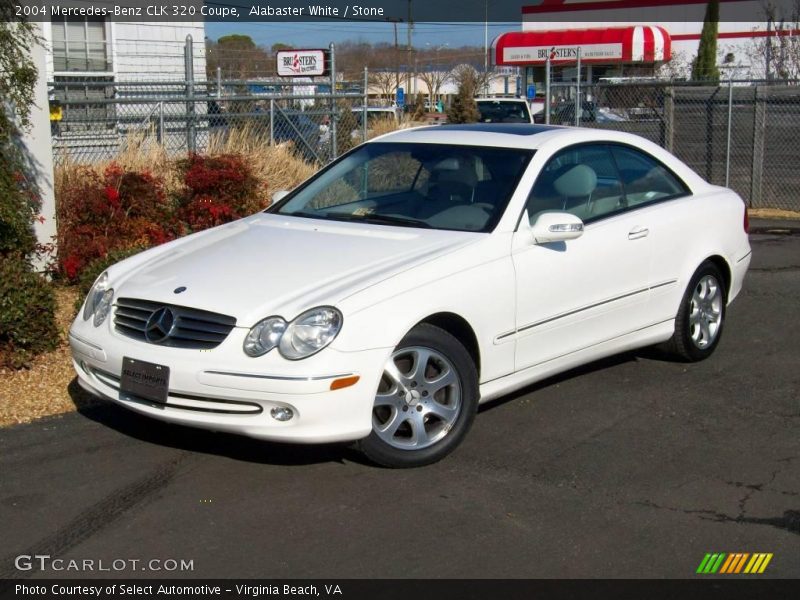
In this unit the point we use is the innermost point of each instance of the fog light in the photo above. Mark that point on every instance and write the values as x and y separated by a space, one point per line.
281 413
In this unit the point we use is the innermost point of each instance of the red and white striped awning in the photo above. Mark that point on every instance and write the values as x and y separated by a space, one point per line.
639 44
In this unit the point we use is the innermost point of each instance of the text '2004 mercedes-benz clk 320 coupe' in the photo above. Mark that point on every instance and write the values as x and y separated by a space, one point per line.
421 274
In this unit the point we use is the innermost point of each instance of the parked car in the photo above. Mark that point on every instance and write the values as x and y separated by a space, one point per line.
504 110
423 273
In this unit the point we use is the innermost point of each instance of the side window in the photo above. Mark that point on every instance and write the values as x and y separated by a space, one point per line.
581 180
644 178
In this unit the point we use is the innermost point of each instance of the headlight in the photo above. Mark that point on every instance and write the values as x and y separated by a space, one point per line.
264 336
103 307
99 288
310 332
307 334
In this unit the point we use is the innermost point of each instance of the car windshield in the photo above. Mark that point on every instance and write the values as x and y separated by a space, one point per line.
435 186
493 111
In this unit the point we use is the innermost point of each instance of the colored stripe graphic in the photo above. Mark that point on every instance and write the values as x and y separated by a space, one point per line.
734 563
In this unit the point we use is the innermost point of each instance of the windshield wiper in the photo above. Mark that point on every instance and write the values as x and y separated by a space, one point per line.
381 219
366 218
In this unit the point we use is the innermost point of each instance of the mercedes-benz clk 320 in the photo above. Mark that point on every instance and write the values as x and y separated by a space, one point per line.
418 275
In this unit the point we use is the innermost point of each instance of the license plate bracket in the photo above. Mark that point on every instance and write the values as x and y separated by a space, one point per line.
145 380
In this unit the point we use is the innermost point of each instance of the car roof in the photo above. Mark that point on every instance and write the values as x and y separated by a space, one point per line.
530 136
499 99
504 135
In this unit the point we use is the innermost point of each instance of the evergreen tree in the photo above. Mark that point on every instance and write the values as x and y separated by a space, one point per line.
463 109
704 66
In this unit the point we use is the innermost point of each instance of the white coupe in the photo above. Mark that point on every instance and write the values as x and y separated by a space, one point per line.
417 276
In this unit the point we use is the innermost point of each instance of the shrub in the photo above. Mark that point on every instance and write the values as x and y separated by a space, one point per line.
219 189
113 210
27 306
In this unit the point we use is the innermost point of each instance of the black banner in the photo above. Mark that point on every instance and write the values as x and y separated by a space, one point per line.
411 589
418 11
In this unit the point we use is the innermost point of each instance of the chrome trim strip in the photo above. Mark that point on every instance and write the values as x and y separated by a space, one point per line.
83 341
277 377
616 337
584 308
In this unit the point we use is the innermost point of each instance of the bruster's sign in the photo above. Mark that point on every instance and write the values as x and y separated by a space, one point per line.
534 54
301 63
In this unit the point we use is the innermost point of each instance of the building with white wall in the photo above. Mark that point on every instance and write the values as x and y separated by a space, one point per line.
636 38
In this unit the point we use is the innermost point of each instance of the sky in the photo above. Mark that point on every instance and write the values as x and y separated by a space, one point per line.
316 34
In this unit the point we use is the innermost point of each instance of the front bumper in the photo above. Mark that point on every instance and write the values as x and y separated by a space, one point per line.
224 390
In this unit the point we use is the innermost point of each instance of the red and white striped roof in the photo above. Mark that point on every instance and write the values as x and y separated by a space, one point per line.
634 44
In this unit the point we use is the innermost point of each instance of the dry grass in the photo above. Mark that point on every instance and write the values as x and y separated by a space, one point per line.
42 389
275 167
773 213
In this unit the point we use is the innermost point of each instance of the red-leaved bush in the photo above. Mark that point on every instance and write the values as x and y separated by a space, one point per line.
219 189
118 209
112 210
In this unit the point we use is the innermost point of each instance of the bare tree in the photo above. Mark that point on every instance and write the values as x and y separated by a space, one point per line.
434 79
777 56
677 68
465 75
385 82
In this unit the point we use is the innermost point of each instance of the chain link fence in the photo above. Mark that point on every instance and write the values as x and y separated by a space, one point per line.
98 118
740 134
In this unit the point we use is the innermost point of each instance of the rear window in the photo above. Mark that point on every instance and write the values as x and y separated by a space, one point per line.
503 112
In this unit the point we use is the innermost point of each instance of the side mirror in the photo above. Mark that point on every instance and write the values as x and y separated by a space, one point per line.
279 195
556 227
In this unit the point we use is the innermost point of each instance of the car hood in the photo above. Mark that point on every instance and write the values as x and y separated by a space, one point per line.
270 264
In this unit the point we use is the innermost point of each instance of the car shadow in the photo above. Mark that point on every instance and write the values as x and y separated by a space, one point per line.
246 449
650 353
237 447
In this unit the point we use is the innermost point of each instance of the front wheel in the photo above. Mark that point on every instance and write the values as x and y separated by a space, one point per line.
698 324
425 402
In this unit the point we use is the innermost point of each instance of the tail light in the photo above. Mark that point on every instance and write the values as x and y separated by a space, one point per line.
746 223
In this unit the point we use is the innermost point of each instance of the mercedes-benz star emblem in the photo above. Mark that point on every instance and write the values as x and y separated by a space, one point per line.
159 325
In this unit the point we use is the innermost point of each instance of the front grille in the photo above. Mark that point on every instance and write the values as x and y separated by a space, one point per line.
191 327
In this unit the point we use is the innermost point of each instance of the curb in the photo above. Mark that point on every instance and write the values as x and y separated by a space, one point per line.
775 227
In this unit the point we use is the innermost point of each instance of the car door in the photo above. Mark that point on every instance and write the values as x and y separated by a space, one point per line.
578 293
664 202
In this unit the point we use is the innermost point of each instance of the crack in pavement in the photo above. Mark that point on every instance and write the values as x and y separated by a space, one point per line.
790 521
97 517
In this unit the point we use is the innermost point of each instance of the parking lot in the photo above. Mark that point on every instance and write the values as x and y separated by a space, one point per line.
630 467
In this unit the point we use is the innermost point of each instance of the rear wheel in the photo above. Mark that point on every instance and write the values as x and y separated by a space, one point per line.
426 400
698 324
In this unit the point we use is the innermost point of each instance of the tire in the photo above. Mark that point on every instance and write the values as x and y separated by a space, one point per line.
419 418
701 316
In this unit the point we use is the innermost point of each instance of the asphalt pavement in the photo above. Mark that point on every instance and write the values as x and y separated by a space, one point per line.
630 467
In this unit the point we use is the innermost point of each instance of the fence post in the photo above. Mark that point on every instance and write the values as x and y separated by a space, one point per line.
728 147
366 102
578 102
334 116
161 122
219 82
547 90
272 121
669 118
188 55
759 128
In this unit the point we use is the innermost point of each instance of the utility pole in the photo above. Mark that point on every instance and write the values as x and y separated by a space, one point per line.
394 21
409 43
485 47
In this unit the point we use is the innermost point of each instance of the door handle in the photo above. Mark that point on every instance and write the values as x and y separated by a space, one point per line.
637 233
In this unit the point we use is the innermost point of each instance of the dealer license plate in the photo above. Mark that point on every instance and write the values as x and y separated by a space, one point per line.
144 380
